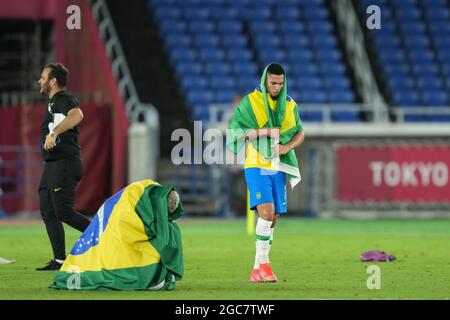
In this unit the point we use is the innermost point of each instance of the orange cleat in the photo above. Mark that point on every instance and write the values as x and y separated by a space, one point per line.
254 276
266 273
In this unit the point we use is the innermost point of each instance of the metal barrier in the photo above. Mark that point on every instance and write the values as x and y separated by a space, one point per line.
20 172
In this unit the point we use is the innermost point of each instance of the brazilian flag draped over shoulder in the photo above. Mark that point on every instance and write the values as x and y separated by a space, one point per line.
132 243
254 112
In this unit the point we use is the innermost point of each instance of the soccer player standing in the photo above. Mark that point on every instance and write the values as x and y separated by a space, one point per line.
62 156
267 120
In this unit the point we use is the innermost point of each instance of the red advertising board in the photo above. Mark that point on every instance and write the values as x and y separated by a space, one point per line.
393 174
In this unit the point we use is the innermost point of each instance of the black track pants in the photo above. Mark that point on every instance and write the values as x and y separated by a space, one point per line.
57 195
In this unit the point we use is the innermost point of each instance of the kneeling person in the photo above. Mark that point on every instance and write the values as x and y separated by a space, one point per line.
132 243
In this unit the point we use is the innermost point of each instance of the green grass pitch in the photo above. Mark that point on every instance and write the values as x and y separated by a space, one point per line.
313 259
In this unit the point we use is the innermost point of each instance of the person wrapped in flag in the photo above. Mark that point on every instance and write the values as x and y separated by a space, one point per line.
132 243
268 123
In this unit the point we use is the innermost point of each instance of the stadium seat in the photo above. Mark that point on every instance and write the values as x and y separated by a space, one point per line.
220 47
435 98
341 96
412 52
345 116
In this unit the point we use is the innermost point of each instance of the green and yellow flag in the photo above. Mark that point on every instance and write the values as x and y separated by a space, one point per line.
258 110
132 243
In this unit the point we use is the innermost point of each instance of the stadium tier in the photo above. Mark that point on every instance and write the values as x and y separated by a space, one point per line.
412 49
219 48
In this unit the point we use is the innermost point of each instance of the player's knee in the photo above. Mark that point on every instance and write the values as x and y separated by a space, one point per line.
266 213
64 214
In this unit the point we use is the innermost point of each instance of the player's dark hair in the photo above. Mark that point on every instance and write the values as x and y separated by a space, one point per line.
59 72
275 68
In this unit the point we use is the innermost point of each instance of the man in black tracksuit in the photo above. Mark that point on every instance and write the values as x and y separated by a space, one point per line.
63 167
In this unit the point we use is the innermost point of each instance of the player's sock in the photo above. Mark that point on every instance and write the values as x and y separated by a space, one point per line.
271 239
256 264
262 240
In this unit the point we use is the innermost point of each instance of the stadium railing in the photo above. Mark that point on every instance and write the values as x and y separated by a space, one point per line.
317 194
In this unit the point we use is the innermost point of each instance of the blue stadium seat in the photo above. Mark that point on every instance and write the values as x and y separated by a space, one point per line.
300 55
192 13
439 14
430 83
394 69
402 98
225 96
234 41
412 27
292 27
295 40
425 69
287 13
195 97
404 3
437 3
261 27
222 82
324 41
345 116
217 68
231 27
177 41
164 12
408 13
306 69
442 42
439 27
338 82
444 56
310 115
386 41
225 14
391 54
411 117
416 40
313 96
435 98
315 13
421 55
341 96
172 26
332 68
438 118
184 68
183 55
256 13
400 82
239 54
380 3
247 83
192 82
218 49
212 55
319 27
270 55
307 83
244 68
206 41
200 112
264 41
201 27
328 54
